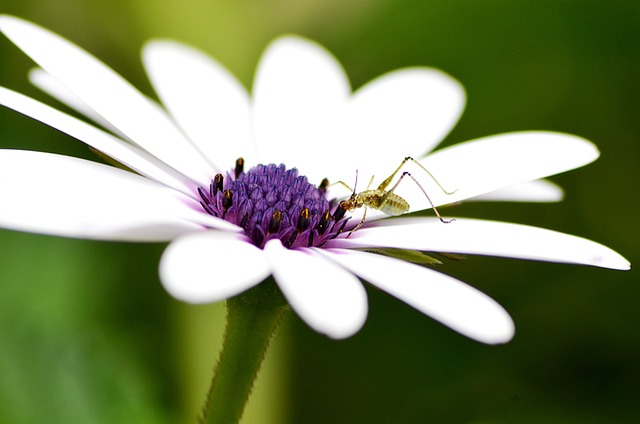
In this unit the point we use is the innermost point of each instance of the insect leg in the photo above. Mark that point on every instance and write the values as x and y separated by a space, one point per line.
342 183
364 217
430 174
370 182
386 182
435 210
383 185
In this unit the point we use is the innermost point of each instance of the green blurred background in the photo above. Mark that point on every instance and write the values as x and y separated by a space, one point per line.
88 335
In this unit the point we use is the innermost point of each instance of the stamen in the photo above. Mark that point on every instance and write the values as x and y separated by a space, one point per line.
239 167
227 199
340 210
324 223
303 220
322 188
274 223
217 184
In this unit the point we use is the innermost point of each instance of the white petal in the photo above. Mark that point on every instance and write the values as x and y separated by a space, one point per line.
60 195
328 298
490 238
492 163
450 301
403 113
45 82
208 103
531 191
123 152
109 95
211 266
299 92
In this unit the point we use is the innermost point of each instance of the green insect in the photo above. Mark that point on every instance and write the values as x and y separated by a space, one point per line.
385 201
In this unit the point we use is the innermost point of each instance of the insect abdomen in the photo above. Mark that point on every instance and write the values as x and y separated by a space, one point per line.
386 202
395 205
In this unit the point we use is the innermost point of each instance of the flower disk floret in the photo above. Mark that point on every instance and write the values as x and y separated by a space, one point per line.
273 202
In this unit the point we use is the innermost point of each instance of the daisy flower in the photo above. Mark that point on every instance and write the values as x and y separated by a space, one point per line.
233 223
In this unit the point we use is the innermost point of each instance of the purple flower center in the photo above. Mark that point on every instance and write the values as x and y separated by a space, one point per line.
271 201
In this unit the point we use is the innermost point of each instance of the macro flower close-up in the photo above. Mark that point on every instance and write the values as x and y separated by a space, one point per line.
234 181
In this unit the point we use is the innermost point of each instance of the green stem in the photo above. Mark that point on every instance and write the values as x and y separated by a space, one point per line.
252 319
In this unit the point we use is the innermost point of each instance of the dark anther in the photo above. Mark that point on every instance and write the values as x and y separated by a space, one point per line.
274 223
292 238
239 167
216 184
244 220
323 185
310 238
257 236
324 223
202 193
207 208
344 223
340 210
227 199
408 158
303 220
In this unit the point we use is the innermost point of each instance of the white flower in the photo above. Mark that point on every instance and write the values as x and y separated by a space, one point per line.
302 113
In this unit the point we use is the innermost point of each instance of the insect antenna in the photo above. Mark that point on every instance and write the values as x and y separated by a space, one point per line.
355 185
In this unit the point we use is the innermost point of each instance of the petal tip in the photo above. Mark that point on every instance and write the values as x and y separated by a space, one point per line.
6 19
492 329
617 263
340 333
158 44
501 335
293 40
9 23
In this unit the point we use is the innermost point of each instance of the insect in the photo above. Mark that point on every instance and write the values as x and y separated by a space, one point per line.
385 201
